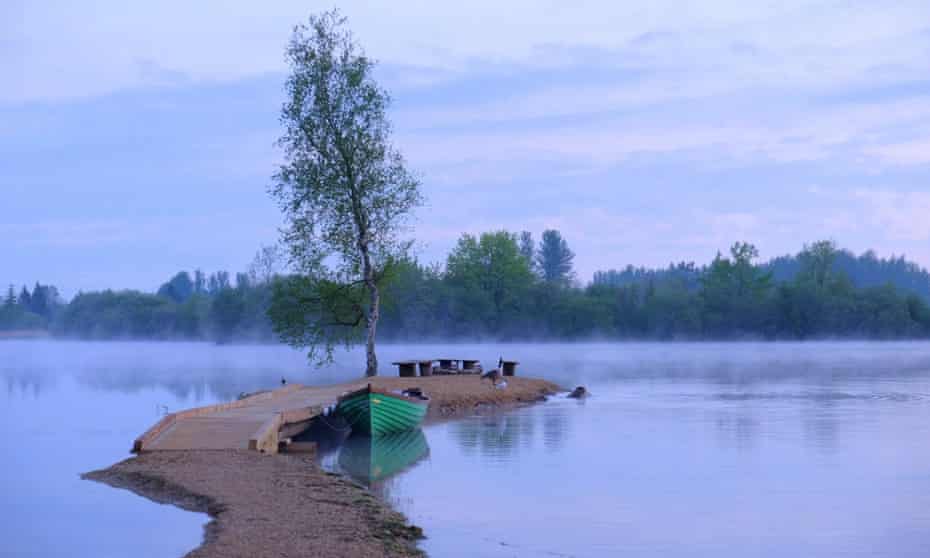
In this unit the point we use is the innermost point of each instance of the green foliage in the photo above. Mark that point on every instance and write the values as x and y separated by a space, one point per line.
732 297
733 291
118 314
27 312
817 261
554 259
528 248
344 188
487 290
488 277
179 288
316 315
14 317
229 313
227 309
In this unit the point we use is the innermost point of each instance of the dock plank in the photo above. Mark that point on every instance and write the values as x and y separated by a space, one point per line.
252 421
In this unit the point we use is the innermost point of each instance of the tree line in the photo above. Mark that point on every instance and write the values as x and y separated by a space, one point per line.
505 286
490 287
30 309
195 306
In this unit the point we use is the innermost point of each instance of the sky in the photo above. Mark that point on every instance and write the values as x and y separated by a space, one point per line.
137 138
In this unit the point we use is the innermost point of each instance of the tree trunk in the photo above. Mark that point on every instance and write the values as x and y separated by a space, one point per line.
374 311
371 368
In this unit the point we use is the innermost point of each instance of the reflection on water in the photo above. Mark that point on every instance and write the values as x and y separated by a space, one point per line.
373 460
744 458
503 435
683 450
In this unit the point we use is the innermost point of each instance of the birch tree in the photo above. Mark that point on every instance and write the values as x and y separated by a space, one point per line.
344 189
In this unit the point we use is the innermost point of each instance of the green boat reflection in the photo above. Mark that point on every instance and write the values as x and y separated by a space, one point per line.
370 460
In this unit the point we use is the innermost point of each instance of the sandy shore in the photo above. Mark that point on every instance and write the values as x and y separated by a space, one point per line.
455 394
285 505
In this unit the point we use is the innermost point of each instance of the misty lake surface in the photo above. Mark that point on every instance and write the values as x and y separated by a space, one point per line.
749 449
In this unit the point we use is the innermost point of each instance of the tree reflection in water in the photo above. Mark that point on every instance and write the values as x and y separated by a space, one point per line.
500 436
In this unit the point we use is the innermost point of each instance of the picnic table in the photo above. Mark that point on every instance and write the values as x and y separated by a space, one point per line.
426 367
408 368
510 367
458 366
471 366
448 363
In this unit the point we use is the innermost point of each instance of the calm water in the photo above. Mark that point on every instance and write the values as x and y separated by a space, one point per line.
683 450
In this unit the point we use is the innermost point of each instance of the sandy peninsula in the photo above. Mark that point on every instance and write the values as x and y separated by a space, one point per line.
284 505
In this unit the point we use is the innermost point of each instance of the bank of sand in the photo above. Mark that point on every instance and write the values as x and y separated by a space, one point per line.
285 505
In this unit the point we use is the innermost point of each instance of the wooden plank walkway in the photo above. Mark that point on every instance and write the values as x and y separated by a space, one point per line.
250 423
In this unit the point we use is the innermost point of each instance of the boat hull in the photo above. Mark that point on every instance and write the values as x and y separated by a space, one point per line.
376 414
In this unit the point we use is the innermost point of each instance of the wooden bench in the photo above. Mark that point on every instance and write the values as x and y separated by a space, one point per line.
408 368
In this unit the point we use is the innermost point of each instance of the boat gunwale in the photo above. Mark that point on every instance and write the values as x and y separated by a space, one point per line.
369 390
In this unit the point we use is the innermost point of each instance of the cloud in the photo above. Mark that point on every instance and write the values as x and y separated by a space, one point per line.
66 50
915 152
901 215
140 136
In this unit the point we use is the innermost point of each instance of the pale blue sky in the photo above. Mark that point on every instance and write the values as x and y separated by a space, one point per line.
138 140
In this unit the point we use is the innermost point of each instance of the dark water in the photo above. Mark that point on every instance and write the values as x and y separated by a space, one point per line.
683 450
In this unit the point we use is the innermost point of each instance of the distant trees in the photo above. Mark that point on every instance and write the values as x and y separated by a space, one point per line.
25 299
200 282
489 276
864 270
227 311
528 248
344 189
29 310
816 261
733 289
13 317
486 289
687 274
44 300
266 265
554 259
734 296
218 282
223 313
119 315
179 288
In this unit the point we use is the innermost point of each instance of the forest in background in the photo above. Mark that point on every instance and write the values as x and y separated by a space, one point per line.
505 286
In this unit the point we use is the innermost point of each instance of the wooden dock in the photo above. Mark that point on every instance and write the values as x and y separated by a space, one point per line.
254 422
260 421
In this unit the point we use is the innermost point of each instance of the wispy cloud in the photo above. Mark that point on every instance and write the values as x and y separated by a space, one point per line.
647 133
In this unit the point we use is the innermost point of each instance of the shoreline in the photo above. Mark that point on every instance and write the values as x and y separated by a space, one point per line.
285 504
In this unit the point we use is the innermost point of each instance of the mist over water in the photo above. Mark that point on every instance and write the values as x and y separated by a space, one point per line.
709 449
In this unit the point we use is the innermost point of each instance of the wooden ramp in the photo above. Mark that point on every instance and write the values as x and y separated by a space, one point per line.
250 423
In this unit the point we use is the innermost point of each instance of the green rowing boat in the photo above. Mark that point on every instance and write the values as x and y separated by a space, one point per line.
377 412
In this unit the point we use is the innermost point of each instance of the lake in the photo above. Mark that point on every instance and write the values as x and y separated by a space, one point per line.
750 449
